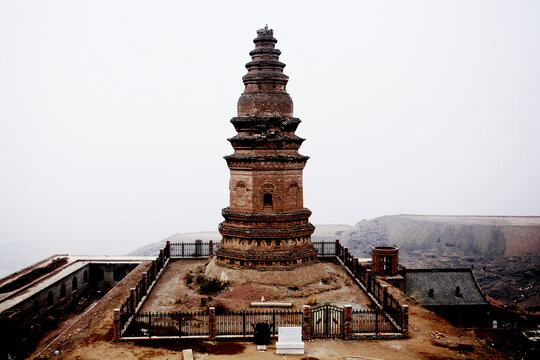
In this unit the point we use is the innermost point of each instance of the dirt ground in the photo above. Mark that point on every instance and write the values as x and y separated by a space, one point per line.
431 337
319 283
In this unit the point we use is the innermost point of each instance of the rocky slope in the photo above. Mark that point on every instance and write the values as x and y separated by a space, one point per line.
504 251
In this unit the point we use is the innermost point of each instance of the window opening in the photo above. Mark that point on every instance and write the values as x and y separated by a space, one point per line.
267 200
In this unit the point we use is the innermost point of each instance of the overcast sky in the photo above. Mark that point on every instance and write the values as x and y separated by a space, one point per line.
114 115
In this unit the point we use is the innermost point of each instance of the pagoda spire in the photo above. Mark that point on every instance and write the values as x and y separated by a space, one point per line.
264 94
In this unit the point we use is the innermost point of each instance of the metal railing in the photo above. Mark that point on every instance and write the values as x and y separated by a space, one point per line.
370 321
240 323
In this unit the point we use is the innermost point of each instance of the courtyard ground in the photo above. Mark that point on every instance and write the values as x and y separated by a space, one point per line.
320 283
431 337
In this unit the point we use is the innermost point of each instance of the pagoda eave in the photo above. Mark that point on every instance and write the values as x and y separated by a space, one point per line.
268 233
266 217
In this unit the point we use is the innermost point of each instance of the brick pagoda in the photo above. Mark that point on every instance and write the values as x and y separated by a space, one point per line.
266 225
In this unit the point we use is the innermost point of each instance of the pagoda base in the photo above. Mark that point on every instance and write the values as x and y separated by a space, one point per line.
267 260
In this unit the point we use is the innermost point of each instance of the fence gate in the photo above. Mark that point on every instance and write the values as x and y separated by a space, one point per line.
327 322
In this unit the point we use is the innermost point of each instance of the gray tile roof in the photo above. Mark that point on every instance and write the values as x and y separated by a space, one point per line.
444 283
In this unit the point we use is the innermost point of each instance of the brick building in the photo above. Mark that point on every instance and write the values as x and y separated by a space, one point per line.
266 225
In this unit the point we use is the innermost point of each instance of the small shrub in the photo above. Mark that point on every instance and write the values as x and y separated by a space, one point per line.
293 288
221 308
211 286
312 300
188 278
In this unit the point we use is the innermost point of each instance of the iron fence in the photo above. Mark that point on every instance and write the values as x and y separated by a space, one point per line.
394 309
192 249
328 322
242 323
370 321
325 248
168 324
376 290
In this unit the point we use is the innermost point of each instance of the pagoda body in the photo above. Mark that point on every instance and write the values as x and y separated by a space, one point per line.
266 225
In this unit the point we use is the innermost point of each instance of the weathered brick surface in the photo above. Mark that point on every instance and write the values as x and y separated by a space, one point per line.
306 323
405 330
266 225
384 260
212 323
347 318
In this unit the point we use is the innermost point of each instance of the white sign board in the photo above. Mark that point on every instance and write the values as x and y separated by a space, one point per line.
289 341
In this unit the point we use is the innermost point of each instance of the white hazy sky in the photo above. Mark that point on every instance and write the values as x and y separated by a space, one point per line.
114 114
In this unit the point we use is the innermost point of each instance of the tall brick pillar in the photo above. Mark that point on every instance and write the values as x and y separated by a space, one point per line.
384 260
212 323
116 324
306 322
162 257
337 247
168 249
347 326
405 324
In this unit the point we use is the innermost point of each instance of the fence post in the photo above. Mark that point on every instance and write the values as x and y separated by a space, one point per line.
384 296
162 257
306 323
345 256
168 249
149 324
244 323
273 322
145 282
212 323
337 248
377 321
355 267
405 321
198 248
117 330
211 249
368 285
133 300
347 326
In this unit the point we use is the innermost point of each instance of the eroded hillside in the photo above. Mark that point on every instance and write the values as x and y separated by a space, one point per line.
504 251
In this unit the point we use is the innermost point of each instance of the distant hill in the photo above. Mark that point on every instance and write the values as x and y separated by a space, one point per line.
504 250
